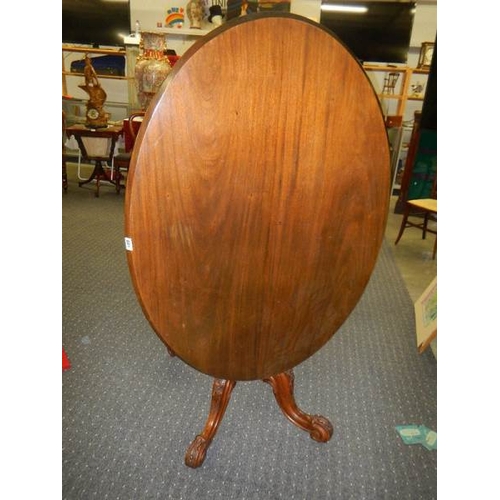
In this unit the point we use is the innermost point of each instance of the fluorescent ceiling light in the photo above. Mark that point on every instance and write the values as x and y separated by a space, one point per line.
355 9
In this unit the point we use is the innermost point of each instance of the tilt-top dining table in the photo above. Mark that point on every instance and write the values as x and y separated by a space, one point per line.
256 205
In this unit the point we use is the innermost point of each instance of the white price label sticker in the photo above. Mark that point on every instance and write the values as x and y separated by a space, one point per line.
128 244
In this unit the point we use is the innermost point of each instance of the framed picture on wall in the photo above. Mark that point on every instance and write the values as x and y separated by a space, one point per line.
426 53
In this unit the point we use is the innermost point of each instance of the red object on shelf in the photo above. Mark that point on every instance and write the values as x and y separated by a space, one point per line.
66 365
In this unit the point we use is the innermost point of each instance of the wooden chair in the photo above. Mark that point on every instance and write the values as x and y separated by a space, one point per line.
390 83
423 208
121 161
64 156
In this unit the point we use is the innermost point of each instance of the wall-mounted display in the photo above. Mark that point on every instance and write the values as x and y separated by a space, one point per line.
373 31
95 22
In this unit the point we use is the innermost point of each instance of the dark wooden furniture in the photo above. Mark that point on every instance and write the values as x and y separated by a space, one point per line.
98 146
256 205
131 126
64 156
423 209
410 160
121 161
420 172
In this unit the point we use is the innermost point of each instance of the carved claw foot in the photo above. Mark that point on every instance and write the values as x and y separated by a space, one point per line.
221 393
195 454
320 428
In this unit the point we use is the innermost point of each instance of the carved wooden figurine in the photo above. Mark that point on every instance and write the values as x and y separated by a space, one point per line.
96 116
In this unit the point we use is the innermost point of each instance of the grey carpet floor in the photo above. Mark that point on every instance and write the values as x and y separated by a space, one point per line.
130 410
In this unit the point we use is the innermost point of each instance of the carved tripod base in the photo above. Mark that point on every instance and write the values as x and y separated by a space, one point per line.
319 428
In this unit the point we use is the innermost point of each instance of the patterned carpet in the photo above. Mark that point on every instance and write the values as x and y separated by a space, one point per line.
130 410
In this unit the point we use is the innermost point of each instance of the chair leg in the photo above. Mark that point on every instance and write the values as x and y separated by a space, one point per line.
117 176
434 249
64 176
403 224
424 225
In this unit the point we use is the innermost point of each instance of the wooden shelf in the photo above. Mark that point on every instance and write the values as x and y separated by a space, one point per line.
390 96
421 71
403 96
185 31
112 77
207 28
128 78
90 50
384 68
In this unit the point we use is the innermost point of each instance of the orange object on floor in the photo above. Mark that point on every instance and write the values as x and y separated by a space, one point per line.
66 365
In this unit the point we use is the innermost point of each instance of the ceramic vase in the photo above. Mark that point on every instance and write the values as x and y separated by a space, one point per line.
152 66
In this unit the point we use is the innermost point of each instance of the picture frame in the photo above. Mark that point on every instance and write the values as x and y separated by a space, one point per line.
426 317
425 57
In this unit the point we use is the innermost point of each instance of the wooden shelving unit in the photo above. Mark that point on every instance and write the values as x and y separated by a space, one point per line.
87 50
130 54
403 95
398 134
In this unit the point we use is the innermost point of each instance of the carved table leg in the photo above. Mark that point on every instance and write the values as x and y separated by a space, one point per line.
98 174
221 393
319 428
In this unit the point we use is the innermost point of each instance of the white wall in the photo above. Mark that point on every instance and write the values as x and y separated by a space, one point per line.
425 23
307 8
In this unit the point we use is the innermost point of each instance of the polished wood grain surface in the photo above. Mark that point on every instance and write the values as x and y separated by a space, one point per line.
257 197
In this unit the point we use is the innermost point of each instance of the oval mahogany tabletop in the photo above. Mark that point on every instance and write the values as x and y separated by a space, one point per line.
257 197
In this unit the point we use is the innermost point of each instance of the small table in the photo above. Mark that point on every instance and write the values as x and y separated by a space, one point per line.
96 145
